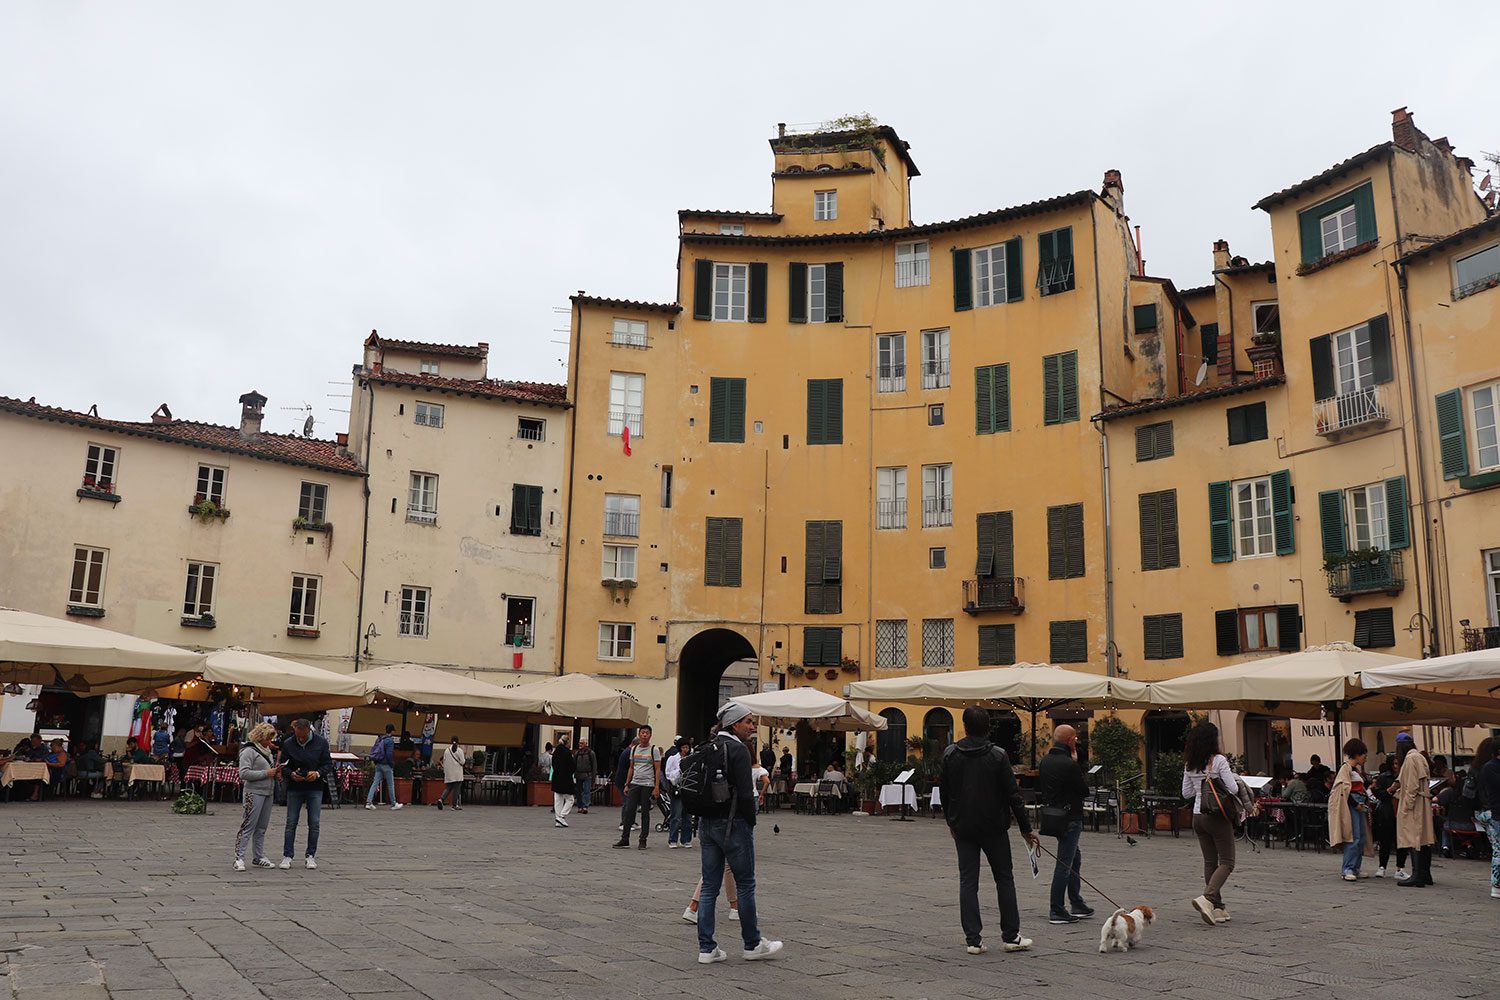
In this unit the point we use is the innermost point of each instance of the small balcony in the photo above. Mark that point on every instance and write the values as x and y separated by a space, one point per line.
622 523
620 419
937 512
1487 637
935 374
1350 410
995 593
891 378
890 515
911 271
1373 572
417 515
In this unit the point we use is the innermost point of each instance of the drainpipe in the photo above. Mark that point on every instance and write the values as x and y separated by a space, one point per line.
575 352
364 545
1110 648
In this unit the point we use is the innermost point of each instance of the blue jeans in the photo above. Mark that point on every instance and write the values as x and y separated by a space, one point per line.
387 774
585 790
734 846
1066 881
296 799
1354 851
679 827
1490 824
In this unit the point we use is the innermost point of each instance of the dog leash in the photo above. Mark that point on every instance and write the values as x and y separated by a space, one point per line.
1075 871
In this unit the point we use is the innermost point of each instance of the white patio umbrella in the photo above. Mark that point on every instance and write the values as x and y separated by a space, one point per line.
820 710
407 687
1469 675
36 649
278 686
581 697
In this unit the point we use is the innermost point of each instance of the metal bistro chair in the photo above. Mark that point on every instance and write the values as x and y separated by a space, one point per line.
1101 806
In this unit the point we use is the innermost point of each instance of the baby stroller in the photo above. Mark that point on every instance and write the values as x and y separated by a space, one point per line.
664 806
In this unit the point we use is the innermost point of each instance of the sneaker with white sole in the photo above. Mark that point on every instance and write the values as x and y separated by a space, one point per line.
1221 915
673 846
717 955
286 863
765 949
1380 872
1494 893
1402 875
976 949
1019 944
399 805
239 864
263 863
1205 909
1350 877
312 862
690 915
369 805
734 914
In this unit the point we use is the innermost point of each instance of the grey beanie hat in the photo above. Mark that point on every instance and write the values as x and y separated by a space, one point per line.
731 713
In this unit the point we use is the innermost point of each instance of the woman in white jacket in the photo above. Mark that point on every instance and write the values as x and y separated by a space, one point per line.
453 775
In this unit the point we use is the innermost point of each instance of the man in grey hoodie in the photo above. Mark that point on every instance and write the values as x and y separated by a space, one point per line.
258 773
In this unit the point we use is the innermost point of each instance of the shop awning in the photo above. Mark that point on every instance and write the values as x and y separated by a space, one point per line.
820 710
579 697
277 686
86 659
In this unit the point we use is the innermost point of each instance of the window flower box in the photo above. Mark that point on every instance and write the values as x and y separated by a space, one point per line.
206 508
303 524
85 611
198 621
297 632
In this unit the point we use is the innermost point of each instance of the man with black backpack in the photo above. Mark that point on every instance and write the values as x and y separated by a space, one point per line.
383 756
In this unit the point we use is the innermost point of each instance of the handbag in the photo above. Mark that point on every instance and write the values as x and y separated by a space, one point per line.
1210 801
1053 821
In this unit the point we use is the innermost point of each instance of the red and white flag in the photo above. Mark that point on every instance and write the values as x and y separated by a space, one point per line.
625 437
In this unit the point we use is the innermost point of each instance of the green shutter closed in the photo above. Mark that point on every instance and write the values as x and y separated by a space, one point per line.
1005 545
963 281
734 542
1068 376
1050 390
1171 550
713 552
1364 213
1380 349
997 645
1220 524
1227 632
755 310
718 409
984 564
1397 516
1057 565
812 647
1145 318
1452 446
1208 335
1322 367
984 400
1014 274
834 413
796 296
1150 531
825 411
1281 513
1151 633
1288 628
703 289
813 569
833 291
1001 384
833 551
1331 522
735 422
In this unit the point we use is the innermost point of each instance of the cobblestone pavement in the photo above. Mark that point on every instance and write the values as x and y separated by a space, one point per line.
125 900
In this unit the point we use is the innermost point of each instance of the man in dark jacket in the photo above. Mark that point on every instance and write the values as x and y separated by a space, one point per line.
1061 785
563 771
306 763
979 798
585 765
727 834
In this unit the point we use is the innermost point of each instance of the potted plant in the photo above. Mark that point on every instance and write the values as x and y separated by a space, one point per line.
538 786
831 674
1168 781
1117 747
404 768
432 785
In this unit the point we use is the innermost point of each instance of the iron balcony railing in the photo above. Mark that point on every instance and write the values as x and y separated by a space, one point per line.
620 419
1357 408
995 593
1487 637
1477 285
937 512
913 271
413 623
891 378
628 338
1381 573
622 523
531 432
890 514
421 516
935 374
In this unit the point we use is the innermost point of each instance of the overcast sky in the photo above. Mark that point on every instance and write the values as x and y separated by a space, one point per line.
200 199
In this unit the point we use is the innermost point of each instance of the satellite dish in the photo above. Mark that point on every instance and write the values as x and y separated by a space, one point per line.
1197 379
307 426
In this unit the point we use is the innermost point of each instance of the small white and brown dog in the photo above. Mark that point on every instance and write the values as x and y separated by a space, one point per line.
1124 929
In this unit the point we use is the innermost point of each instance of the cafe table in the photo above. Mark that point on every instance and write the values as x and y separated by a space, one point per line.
23 770
899 795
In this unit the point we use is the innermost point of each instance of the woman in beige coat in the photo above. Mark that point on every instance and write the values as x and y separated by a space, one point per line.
1349 810
1414 810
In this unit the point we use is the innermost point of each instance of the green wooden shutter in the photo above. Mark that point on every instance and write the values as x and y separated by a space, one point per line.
1171 636
1145 317
735 420
1397 517
984 565
1074 539
833 551
1151 629
1237 433
713 552
1150 531
1068 379
1227 632
1312 236
989 646
1281 512
1051 390
755 310
1380 349
817 411
1255 421
1288 628
1015 276
963 281
1364 213
734 542
1331 521
1322 367
1005 545
813 568
1057 559
796 295
834 416
1171 550
703 289
1001 386
517 508
1220 523
984 400
833 291
833 646
718 409
1452 445
1046 253
812 646
1145 443
1208 335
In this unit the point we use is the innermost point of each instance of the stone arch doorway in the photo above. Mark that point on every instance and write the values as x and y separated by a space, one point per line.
701 666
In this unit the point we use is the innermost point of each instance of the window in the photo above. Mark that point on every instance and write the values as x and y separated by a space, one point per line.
997 645
1492 580
525 509
622 515
996 560
934 414
520 622
937 644
312 505
421 498
1247 423
822 647
825 411
531 429
1484 403
616 641
1267 317
890 498
99 468
1347 367
1163 635
1253 530
619 562
1473 273
210 485
429 415
890 355
731 292
731 229
1069 641
912 264
1258 630
1367 517
1060 388
1153 441
1055 271
87 587
989 275
1373 516
627 402
935 373
937 496
992 399
1065 553
414 604
1353 361
825 205
427 367
726 410
1374 628
824 568
666 486
815 293
890 644
1252 517
1340 230
1145 318
1339 224
198 601
304 613
1208 334
628 333
723 541
1159 547
937 557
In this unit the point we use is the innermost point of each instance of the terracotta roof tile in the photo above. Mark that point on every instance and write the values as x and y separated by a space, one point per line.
1337 170
1217 392
813 142
594 300
422 347
543 393
285 448
709 213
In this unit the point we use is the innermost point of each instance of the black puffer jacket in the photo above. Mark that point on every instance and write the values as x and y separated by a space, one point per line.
979 790
1060 782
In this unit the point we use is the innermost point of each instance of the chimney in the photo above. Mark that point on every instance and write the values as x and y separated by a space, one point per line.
1404 131
781 130
1221 254
162 415
343 439
1114 190
252 410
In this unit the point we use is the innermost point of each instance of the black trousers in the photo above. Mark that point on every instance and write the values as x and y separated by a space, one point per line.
637 798
996 850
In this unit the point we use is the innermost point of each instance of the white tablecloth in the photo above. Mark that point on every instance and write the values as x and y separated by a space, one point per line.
896 795
937 796
805 788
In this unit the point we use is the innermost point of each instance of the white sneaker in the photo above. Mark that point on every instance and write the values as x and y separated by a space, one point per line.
1221 916
717 955
286 863
239 864
558 821
263 863
1494 893
399 805
734 914
1401 875
1205 909
312 862
1380 872
1350 877
1019 944
369 805
765 949
976 949
673 846
690 915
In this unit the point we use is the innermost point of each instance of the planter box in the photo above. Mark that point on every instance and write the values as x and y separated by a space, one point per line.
403 790
1185 818
538 793
871 807
1130 823
1163 821
432 790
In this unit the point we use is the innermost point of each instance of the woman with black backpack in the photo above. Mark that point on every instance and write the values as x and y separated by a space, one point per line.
1211 783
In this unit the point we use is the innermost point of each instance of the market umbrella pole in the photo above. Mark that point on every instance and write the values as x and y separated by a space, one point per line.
1033 736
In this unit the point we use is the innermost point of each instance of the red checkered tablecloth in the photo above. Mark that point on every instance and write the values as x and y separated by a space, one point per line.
213 774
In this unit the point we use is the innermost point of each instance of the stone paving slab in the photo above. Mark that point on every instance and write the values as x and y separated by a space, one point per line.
497 903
